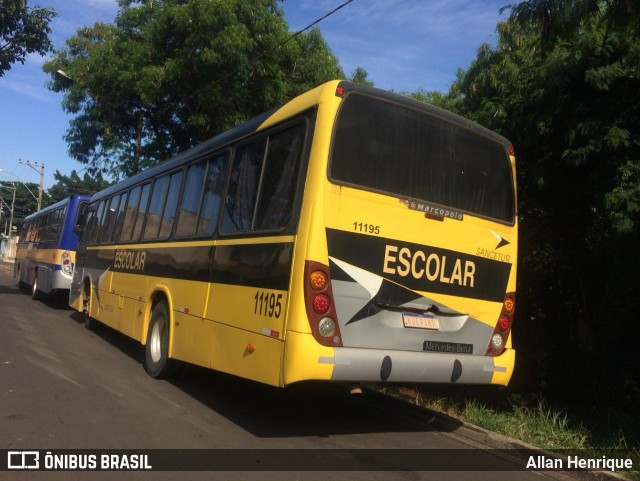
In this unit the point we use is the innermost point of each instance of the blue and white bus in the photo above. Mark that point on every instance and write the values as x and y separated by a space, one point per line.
46 249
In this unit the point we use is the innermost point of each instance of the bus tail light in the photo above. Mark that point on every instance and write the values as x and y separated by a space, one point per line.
321 304
65 263
321 311
503 326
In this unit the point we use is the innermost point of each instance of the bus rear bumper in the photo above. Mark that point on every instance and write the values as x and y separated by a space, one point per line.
376 365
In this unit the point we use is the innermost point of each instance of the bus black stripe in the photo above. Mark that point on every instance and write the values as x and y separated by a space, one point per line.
452 273
266 266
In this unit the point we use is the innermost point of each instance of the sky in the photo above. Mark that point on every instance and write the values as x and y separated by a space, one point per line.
404 45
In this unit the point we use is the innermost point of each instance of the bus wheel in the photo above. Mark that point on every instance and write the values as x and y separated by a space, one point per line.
89 322
157 362
21 284
35 292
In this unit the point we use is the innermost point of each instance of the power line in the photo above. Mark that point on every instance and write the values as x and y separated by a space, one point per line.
315 22
288 39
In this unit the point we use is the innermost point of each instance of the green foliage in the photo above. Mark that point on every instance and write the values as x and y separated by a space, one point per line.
563 83
26 201
23 31
171 73
73 184
539 425
433 97
26 194
360 76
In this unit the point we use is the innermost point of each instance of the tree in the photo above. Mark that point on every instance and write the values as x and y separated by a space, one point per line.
22 31
25 203
563 83
73 184
360 76
171 73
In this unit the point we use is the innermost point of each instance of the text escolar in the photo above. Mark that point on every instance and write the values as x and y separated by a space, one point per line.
403 262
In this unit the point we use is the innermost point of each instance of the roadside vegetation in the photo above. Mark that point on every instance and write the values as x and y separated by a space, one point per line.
531 420
562 82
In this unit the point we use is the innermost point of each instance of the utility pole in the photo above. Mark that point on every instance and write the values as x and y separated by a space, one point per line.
13 202
35 166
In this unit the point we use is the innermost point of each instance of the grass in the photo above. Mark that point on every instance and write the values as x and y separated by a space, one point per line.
533 422
540 425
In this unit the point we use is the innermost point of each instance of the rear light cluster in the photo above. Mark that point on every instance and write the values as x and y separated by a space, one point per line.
503 326
65 263
319 303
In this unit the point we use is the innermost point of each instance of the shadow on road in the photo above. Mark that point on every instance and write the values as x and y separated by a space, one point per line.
55 300
302 409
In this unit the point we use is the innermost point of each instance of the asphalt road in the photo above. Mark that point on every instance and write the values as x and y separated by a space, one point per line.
64 387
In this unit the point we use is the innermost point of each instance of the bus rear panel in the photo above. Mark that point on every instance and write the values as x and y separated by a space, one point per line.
418 213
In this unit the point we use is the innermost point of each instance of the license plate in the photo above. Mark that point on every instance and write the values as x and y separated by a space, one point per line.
421 321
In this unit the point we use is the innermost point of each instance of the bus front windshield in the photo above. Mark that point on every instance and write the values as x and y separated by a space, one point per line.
408 153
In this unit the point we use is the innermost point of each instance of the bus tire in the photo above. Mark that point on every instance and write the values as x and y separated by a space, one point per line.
21 284
35 292
89 322
156 359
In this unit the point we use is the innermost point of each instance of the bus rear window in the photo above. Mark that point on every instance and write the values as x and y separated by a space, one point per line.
394 149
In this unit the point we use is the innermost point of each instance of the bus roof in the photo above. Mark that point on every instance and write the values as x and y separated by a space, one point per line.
55 206
305 101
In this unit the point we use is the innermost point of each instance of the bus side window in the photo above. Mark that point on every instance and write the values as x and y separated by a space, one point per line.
170 206
214 188
279 179
22 233
154 214
96 225
243 188
44 227
115 234
89 227
142 211
58 221
190 204
130 214
53 228
263 182
37 230
30 232
109 219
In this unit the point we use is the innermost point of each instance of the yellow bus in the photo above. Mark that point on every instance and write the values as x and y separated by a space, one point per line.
350 235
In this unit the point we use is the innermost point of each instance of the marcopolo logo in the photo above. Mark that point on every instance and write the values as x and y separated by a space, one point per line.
23 460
